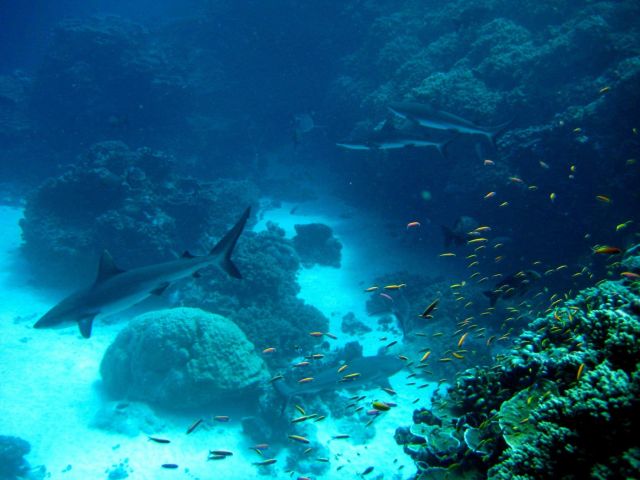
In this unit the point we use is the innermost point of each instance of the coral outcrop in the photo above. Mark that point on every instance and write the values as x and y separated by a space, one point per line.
182 358
315 243
12 462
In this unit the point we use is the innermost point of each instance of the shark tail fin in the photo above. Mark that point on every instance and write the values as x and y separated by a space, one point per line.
492 296
494 132
224 248
447 233
443 146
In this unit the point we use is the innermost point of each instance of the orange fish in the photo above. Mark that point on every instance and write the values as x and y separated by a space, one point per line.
630 275
269 350
412 225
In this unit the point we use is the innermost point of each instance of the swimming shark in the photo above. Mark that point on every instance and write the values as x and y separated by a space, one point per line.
388 137
375 369
115 289
513 286
426 116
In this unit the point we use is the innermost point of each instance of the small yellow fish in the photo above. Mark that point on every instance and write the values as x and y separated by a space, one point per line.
489 162
489 195
630 161
604 89
298 438
395 287
504 204
462 339
580 369
425 356
552 197
380 406
483 228
447 254
543 164
603 198
477 240
622 226
577 130
371 289
343 368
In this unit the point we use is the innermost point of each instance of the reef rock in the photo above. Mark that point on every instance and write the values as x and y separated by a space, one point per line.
182 358
12 451
315 243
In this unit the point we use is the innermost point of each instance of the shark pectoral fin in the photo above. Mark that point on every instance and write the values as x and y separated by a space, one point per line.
187 254
384 383
160 290
85 324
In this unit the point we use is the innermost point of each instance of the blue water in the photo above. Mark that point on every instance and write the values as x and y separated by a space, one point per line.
146 128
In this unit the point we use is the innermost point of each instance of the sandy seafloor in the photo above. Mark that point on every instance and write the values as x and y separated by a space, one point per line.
49 387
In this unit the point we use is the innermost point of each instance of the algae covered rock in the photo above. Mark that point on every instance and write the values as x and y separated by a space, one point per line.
182 358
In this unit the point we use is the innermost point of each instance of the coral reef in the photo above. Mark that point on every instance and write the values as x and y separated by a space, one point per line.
264 303
12 462
562 403
315 243
130 202
182 358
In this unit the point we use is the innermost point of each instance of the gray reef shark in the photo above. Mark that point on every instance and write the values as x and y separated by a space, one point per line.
387 137
513 286
375 370
115 290
426 116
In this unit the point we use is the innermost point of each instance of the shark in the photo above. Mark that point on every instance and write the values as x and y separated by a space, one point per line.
388 137
426 116
513 286
115 289
374 369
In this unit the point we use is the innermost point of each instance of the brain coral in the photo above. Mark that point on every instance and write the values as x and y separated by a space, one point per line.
181 358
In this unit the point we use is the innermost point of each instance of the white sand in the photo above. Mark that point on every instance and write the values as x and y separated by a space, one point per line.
49 394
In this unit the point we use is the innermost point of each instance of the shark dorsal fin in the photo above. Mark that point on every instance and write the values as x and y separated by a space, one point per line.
107 267
187 254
